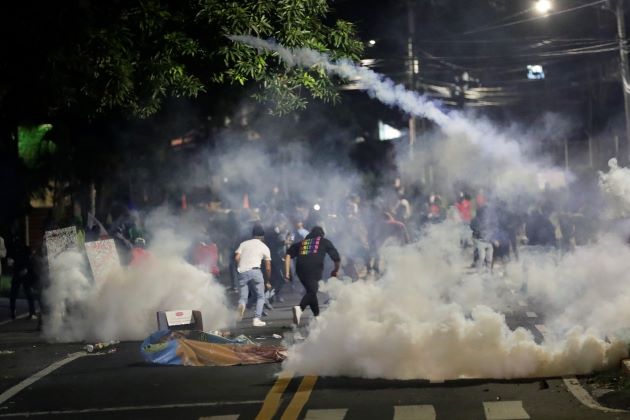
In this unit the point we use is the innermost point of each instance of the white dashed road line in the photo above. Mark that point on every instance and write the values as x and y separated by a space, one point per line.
6 321
128 408
505 410
414 412
11 392
326 414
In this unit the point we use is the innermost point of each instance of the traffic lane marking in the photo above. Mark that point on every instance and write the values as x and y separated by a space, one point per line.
111 381
326 414
414 412
300 398
128 408
504 410
274 396
14 390
7 321
582 395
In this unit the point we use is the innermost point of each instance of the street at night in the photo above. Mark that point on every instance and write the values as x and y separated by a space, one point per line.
315 209
122 385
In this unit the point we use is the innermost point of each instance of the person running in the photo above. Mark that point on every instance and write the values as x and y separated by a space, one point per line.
309 255
248 257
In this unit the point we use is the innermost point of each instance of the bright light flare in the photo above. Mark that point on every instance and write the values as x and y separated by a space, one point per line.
316 207
543 6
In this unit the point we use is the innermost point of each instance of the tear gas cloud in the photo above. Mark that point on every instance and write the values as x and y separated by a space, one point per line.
426 316
124 305
305 175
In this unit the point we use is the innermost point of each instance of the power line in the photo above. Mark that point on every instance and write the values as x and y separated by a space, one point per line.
597 49
507 40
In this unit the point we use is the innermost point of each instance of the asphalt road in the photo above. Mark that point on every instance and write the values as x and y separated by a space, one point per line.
121 385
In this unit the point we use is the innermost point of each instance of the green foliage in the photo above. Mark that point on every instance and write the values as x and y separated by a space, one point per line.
136 57
128 56
292 23
90 67
32 144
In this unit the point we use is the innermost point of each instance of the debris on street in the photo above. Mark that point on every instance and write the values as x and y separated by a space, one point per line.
197 348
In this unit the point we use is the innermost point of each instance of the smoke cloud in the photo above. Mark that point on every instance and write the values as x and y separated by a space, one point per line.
429 317
124 306
426 319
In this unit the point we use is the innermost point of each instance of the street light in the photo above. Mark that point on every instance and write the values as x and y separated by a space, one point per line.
543 6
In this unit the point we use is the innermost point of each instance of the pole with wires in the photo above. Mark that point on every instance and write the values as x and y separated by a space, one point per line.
411 68
625 79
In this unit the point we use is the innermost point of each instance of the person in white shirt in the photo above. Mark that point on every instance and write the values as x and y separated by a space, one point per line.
248 257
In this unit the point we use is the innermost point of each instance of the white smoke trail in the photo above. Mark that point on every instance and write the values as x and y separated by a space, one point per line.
503 157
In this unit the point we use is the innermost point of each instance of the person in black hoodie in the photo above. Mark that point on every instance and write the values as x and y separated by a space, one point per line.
309 255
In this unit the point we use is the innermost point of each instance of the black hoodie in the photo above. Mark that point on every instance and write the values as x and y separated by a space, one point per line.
310 253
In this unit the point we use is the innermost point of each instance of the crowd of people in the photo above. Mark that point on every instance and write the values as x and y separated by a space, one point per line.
281 229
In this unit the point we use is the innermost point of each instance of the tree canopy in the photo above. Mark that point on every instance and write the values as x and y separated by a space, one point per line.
81 65
93 57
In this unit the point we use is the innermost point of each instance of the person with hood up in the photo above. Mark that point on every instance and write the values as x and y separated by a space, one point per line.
309 255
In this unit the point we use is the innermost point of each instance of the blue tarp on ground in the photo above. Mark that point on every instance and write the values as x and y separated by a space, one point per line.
196 348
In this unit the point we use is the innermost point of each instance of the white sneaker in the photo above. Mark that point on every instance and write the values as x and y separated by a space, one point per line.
258 323
297 314
241 311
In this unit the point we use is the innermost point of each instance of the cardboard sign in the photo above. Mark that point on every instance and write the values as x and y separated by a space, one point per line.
60 240
103 258
181 317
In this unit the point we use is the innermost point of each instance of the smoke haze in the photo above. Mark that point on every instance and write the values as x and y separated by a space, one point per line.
426 317
124 306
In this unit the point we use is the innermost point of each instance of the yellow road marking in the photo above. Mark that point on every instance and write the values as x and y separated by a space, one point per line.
272 401
300 398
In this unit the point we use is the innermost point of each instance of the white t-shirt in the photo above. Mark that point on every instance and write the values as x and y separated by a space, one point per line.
252 252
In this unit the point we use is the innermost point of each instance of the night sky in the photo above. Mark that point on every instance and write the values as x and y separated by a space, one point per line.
494 41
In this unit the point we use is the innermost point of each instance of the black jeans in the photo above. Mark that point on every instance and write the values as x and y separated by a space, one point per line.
310 298
26 284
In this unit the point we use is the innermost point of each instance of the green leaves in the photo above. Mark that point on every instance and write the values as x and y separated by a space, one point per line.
128 56
292 23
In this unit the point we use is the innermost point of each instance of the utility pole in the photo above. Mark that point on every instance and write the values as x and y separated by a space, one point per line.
412 69
625 79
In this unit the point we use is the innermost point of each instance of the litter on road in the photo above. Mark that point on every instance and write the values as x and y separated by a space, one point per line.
197 348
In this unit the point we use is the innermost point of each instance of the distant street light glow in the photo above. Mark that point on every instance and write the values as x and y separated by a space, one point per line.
372 42
543 6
